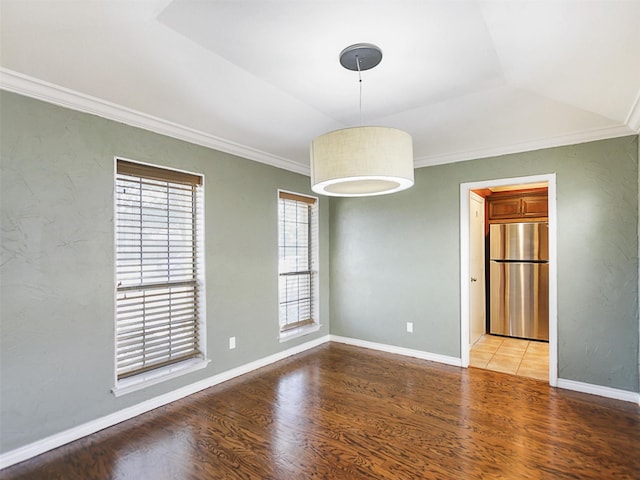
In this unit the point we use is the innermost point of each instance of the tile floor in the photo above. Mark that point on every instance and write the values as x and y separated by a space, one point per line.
511 355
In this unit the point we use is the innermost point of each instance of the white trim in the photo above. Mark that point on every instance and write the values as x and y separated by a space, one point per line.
16 82
465 293
553 279
159 375
465 188
633 118
298 332
285 336
599 390
575 138
56 440
39 89
433 357
39 447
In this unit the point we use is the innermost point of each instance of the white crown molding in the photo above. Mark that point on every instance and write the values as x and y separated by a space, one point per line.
556 141
32 87
62 438
633 119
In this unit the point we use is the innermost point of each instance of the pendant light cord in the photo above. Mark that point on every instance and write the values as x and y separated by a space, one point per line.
360 84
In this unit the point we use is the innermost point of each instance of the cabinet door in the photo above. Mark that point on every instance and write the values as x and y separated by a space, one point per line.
535 206
503 208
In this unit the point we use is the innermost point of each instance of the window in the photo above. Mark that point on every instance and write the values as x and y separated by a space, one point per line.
297 247
158 229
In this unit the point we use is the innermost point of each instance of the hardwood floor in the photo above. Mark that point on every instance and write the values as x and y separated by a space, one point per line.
342 412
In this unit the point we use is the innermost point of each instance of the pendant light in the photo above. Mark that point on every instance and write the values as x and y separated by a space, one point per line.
365 160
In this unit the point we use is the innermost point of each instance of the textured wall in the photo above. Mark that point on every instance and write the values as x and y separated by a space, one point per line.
57 274
394 259
397 258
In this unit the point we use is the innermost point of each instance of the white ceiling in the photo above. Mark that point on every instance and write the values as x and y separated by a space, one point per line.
261 78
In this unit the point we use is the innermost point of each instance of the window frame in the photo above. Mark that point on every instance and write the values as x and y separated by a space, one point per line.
288 331
161 372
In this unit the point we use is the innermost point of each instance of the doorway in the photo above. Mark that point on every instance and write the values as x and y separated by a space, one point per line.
468 267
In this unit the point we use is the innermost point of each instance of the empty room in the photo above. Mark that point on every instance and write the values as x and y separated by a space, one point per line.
270 239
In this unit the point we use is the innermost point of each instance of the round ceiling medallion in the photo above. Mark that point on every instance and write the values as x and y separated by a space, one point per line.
366 55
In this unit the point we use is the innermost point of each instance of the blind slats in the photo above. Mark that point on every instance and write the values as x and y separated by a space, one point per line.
127 342
157 318
150 322
139 367
157 349
296 243
134 324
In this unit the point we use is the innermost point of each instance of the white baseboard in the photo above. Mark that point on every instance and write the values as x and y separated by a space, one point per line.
434 357
57 440
599 390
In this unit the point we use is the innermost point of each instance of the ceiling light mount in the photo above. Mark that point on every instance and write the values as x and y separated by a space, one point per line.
360 57
365 160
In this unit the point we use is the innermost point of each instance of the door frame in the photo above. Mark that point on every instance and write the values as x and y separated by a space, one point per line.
465 189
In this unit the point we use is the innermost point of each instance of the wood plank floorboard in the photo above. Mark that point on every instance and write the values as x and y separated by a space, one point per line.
342 412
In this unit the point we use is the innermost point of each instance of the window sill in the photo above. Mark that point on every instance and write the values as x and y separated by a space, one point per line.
144 380
299 332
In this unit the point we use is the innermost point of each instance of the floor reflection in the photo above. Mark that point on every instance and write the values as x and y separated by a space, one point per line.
293 421
165 455
344 412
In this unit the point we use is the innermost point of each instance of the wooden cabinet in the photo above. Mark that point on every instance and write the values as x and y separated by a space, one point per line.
500 208
516 207
535 206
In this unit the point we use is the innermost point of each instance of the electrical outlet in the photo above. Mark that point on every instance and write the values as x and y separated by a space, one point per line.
410 327
232 343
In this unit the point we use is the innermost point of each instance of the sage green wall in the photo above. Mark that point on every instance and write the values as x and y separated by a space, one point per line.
57 274
396 258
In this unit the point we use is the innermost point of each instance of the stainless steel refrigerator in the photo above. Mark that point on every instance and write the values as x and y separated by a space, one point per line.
519 280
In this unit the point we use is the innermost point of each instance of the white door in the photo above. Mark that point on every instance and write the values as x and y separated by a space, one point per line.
477 309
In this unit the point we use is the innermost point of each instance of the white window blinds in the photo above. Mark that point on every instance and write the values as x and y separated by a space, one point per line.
157 322
297 247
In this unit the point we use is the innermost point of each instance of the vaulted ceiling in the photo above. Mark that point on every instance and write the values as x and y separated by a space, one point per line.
261 79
